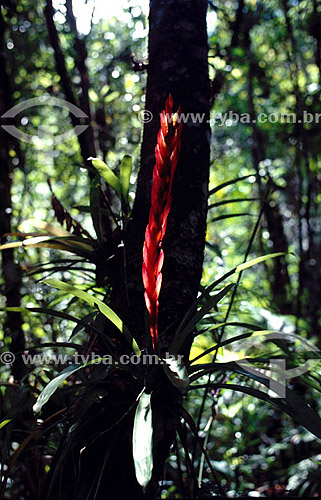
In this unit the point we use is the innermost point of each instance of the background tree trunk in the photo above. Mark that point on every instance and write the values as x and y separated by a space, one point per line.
10 269
178 65
86 139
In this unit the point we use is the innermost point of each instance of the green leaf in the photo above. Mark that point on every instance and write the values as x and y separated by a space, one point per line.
214 247
205 294
104 90
68 244
125 172
107 174
253 262
49 312
206 368
211 302
93 95
95 206
90 299
53 385
250 326
219 345
82 208
233 200
50 228
84 322
143 440
5 422
238 52
177 373
94 302
228 183
293 404
230 216
111 97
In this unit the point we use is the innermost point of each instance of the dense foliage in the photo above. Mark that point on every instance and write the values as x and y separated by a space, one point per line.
264 57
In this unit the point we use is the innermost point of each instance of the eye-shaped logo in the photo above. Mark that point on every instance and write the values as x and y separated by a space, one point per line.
44 101
277 367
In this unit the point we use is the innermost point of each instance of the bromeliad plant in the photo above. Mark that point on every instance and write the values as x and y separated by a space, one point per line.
93 389
167 153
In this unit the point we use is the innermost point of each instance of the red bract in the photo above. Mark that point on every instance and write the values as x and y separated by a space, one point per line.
166 153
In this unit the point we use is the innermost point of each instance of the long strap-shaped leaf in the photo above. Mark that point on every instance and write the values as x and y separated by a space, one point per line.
77 246
94 302
293 405
228 183
107 174
211 302
53 385
183 329
143 440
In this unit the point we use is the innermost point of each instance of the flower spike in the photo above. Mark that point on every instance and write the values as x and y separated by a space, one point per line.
166 153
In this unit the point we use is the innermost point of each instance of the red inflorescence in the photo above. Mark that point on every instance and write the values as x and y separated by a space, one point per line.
166 153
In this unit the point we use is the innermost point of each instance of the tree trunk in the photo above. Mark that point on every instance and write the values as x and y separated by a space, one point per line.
177 65
86 139
279 279
11 270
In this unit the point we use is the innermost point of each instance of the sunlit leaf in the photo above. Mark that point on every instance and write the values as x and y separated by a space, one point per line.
49 228
253 262
233 200
143 440
230 216
95 206
67 244
125 172
228 183
179 338
53 385
94 302
292 404
176 371
5 422
107 174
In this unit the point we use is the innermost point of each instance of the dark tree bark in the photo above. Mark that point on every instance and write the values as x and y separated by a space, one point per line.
86 139
178 65
80 63
10 269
